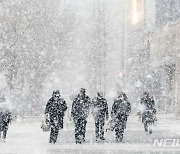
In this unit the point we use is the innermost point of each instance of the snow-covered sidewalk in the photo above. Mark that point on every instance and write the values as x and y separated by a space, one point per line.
27 137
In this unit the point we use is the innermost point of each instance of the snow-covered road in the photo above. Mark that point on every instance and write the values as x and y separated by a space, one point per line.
27 137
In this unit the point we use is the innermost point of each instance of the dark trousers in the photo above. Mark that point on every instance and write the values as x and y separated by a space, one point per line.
4 134
53 134
4 129
99 126
55 126
119 129
80 129
120 126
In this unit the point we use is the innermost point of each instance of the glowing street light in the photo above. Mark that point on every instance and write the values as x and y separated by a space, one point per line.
137 10
134 11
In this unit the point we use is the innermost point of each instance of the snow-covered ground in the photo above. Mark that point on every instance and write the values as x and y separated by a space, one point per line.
27 137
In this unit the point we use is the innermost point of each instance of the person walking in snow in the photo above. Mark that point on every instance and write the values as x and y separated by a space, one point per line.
54 111
120 112
149 111
148 102
5 120
100 114
79 113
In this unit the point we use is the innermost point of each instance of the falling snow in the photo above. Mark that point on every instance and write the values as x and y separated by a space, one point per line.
110 47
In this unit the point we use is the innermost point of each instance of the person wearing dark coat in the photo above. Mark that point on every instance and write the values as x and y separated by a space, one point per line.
5 120
100 114
120 112
54 111
148 103
79 113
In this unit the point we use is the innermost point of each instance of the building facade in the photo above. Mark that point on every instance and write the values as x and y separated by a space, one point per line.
140 21
152 52
164 57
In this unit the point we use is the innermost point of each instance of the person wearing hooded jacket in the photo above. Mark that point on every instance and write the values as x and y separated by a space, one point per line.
79 113
148 103
54 111
100 114
120 112
5 120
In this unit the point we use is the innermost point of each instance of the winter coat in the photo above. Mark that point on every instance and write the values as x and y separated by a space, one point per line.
100 108
148 103
120 108
80 107
5 119
56 110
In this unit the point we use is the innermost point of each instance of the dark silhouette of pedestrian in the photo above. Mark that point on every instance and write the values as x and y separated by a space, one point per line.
55 110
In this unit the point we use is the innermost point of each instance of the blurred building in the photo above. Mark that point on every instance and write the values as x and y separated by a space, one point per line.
164 56
140 21
166 11
151 48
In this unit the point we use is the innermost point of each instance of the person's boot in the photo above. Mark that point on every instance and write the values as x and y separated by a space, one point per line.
102 138
83 137
3 140
146 128
97 137
78 142
83 140
52 141
119 139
